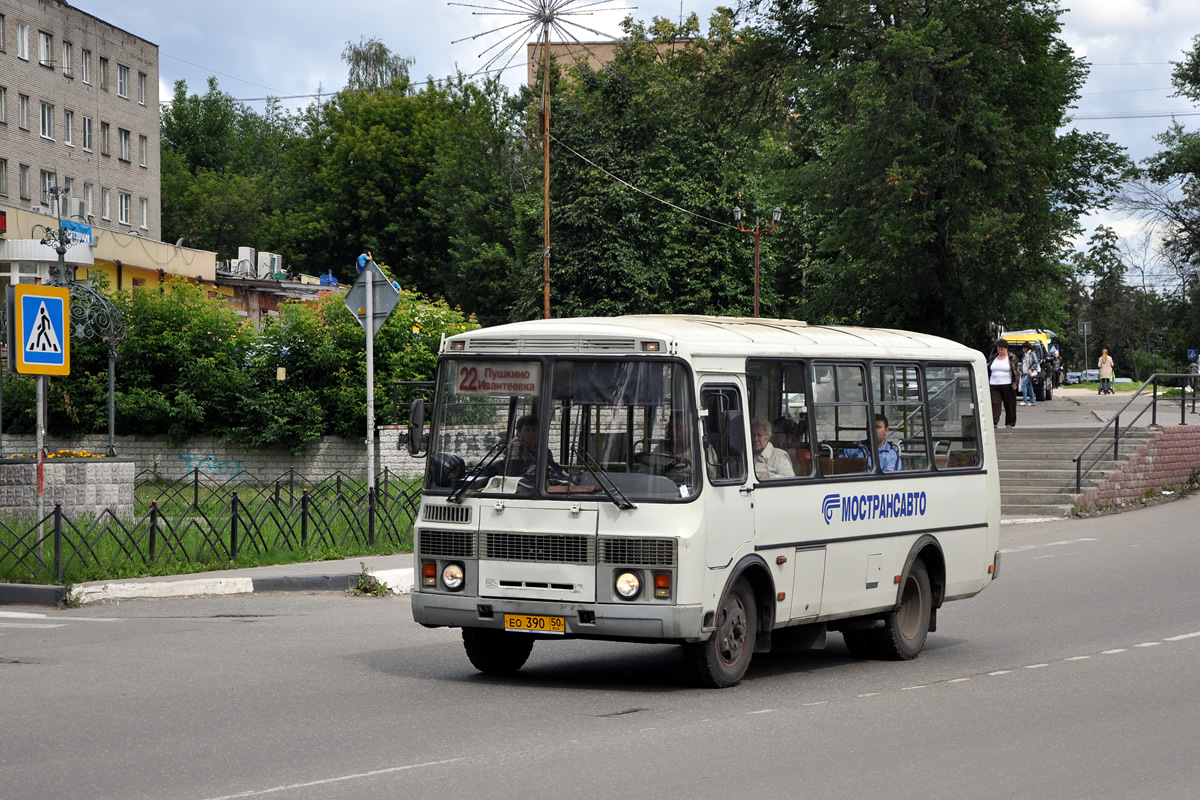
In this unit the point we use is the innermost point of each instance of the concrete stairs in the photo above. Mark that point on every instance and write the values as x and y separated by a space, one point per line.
1037 476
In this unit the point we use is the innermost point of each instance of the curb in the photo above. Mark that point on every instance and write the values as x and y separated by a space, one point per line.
399 581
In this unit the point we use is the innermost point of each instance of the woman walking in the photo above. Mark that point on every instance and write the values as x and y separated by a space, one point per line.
1106 372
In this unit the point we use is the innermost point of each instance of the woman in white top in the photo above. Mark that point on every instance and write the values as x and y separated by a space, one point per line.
1002 380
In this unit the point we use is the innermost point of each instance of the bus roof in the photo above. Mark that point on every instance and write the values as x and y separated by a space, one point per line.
695 335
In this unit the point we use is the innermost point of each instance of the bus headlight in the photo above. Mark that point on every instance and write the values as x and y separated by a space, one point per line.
452 576
628 585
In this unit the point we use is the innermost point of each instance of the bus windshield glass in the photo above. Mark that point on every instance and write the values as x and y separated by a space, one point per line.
623 430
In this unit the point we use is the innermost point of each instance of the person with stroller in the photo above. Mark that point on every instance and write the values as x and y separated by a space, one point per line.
1106 372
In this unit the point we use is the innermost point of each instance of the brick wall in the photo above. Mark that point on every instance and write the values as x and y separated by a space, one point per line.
221 460
1169 459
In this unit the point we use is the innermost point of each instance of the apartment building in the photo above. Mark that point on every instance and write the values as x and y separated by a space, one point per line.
78 112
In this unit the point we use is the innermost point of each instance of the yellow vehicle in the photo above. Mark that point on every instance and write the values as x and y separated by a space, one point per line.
1043 342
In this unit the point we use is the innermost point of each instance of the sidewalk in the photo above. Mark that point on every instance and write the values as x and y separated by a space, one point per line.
1084 408
395 571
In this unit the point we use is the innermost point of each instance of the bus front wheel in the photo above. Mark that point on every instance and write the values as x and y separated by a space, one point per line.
721 661
495 652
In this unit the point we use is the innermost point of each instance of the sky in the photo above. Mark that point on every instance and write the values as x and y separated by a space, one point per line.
292 49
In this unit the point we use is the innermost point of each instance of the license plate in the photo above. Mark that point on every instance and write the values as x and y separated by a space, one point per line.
529 623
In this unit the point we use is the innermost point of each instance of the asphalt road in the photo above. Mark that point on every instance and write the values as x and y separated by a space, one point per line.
1073 676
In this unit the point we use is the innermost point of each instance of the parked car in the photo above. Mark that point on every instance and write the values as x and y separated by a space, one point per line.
1090 376
1072 378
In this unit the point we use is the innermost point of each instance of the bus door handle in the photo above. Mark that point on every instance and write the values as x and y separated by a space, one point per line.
746 490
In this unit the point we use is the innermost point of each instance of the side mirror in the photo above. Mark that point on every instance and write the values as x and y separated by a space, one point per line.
416 428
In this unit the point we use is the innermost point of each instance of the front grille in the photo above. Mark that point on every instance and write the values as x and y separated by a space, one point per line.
451 544
638 552
543 548
436 513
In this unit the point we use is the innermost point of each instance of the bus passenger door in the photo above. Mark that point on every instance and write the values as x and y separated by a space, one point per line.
728 507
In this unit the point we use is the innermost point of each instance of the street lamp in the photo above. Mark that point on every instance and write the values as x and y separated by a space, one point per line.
757 232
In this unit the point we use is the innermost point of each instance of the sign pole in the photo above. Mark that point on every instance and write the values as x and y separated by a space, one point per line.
370 329
41 449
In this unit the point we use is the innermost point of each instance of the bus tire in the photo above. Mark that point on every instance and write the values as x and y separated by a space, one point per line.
495 652
721 661
906 628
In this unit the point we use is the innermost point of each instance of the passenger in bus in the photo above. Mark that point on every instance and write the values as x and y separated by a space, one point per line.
769 461
889 454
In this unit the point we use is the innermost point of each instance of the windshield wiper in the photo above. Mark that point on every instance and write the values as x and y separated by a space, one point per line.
607 484
456 494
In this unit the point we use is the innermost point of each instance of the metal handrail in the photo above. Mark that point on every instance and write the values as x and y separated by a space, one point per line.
1115 422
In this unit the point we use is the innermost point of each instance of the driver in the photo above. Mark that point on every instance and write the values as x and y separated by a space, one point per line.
676 451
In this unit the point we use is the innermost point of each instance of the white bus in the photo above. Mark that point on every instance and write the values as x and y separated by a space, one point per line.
718 483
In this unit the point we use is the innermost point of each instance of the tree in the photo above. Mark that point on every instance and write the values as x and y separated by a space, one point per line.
372 66
926 146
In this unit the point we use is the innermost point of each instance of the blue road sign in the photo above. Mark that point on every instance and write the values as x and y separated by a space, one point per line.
42 315
1193 354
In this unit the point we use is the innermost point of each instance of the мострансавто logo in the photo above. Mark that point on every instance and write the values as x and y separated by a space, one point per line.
857 507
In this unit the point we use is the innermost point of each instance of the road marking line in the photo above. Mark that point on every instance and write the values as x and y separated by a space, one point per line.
1025 547
1077 658
910 688
764 711
339 779
823 702
870 694
1183 636
1000 672
1036 666
958 680
30 625
1113 652
1148 644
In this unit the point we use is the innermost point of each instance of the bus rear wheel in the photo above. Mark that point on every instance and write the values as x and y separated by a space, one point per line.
495 652
721 661
905 629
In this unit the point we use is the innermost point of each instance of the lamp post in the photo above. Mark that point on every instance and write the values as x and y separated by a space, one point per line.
757 232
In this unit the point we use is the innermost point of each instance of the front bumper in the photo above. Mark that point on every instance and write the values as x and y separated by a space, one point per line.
616 621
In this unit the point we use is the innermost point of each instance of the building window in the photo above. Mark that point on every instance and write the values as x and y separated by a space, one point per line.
142 88
144 212
143 150
1 33
105 198
122 144
45 49
23 41
87 199
23 180
87 134
47 124
123 199
3 104
23 112
68 125
122 80
68 186
103 73
49 185
68 57
104 139
4 177
85 66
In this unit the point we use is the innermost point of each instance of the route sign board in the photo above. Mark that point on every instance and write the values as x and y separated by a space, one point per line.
42 329
383 298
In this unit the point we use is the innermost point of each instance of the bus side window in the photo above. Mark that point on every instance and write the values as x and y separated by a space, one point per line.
724 434
953 416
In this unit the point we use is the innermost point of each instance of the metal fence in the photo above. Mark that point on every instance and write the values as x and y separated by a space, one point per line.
195 521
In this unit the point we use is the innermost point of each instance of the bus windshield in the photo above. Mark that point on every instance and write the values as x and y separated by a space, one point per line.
574 428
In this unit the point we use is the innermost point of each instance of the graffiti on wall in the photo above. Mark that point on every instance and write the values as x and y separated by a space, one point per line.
210 464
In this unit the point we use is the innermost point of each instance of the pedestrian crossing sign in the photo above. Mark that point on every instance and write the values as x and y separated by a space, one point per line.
42 328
